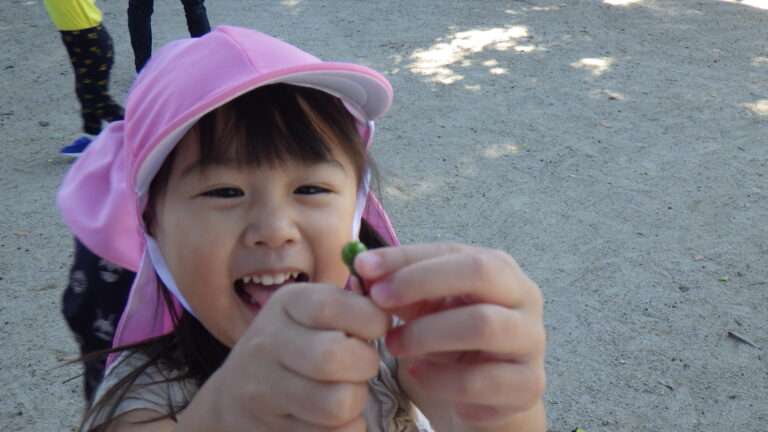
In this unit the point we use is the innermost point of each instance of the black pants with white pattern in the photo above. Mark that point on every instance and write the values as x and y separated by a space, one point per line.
91 55
92 305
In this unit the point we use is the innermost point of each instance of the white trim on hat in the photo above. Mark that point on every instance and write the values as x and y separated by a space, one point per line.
365 97
162 270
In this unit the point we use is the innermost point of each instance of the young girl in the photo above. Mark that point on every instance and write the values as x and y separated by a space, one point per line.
89 47
236 178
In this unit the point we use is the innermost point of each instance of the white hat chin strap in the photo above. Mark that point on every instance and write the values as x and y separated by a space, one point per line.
362 196
161 268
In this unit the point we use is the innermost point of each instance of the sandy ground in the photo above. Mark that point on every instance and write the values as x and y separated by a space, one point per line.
605 145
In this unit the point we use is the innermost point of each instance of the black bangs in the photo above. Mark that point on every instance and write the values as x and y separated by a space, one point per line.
272 125
278 123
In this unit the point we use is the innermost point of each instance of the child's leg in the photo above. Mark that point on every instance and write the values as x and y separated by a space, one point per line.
197 17
140 29
92 305
90 52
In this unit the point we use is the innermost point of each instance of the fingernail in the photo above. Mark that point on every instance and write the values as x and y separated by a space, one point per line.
368 264
381 293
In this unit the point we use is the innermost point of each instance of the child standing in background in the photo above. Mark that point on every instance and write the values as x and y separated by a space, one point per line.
89 46
235 182
140 25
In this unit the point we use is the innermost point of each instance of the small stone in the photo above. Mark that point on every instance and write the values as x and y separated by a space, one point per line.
43 123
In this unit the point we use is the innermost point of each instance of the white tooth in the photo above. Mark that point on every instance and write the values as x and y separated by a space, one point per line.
267 280
256 279
246 279
295 275
279 279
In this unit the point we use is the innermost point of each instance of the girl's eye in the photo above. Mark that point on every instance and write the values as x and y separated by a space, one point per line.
310 190
225 192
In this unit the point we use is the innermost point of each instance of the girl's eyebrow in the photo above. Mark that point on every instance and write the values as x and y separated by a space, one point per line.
333 162
232 163
197 166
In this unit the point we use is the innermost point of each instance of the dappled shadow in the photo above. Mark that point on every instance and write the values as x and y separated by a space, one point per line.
500 150
441 61
602 143
621 2
596 66
759 107
294 6
760 4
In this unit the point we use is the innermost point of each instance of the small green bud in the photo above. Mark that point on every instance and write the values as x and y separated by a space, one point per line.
349 252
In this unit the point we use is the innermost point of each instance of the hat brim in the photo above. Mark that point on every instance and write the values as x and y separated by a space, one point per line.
365 93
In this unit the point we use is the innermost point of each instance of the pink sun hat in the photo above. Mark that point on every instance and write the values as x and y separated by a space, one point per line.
103 196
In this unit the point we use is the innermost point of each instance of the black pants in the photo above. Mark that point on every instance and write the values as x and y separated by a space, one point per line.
92 305
140 25
90 52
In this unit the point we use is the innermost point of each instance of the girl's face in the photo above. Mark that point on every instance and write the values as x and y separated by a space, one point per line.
232 235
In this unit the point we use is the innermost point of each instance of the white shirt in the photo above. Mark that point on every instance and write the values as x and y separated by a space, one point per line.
387 408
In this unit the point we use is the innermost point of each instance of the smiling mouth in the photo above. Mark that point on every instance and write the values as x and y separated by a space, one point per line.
256 290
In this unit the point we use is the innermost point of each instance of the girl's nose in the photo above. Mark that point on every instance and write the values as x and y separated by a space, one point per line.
272 227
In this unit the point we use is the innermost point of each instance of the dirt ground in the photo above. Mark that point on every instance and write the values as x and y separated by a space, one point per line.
616 148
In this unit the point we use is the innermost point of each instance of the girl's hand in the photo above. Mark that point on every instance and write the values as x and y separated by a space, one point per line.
302 364
473 339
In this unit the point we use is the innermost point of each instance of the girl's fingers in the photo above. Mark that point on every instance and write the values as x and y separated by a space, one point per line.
327 355
377 263
478 275
503 332
515 386
340 404
326 307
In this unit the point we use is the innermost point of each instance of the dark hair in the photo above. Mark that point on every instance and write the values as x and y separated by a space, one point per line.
269 125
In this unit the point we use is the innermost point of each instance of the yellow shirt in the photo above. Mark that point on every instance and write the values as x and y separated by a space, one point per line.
73 14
